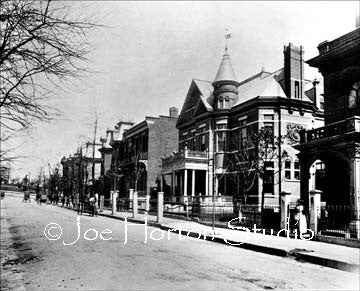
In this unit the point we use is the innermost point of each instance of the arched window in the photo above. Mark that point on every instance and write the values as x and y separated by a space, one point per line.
354 95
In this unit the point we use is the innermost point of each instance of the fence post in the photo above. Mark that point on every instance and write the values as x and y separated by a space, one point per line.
131 197
114 199
147 204
315 209
160 206
135 203
284 209
101 203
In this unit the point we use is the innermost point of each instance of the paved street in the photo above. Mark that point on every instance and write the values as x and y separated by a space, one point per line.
29 259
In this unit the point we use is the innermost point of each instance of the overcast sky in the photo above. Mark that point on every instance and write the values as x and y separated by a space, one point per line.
150 51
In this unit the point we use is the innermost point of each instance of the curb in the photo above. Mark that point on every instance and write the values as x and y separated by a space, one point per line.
300 256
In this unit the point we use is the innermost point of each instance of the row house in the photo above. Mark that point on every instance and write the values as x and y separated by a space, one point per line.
217 114
110 148
132 153
336 146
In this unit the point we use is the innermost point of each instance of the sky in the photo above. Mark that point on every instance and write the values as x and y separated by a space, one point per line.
144 58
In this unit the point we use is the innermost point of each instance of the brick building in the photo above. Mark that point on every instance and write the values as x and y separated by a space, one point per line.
216 113
336 146
136 152
109 159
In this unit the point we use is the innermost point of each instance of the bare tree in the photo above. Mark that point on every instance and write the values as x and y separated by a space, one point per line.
40 42
250 159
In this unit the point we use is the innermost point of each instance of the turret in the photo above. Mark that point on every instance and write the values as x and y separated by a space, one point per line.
225 85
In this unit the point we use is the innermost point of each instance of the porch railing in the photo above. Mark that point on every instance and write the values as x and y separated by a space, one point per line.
346 126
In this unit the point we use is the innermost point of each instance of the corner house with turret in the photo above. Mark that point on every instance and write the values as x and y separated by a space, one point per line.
217 112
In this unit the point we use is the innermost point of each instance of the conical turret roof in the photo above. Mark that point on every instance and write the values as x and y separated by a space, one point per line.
226 71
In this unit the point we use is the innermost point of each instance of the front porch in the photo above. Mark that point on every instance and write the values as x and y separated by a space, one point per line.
335 150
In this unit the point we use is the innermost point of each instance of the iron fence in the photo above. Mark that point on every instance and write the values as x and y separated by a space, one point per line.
339 220
266 216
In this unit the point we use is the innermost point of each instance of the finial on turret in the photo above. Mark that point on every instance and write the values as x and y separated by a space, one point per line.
227 36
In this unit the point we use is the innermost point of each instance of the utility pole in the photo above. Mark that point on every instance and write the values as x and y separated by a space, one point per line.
93 156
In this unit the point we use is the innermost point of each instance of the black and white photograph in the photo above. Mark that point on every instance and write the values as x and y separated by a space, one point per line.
179 145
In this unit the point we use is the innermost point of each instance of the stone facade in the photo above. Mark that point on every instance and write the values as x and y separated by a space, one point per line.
336 145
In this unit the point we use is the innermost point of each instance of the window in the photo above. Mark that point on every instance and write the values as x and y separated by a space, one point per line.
203 142
297 170
221 137
269 116
297 90
220 104
322 105
242 121
287 169
269 122
354 95
243 134
193 144
227 103
242 129
268 178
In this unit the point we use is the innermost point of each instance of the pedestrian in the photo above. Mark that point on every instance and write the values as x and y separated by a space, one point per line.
96 204
92 206
62 200
37 191
67 203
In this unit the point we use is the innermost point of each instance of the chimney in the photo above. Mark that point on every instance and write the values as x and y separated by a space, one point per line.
315 83
294 71
173 112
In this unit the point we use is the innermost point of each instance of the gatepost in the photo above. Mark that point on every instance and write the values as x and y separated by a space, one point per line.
315 209
147 203
131 197
135 203
284 208
160 206
101 203
114 199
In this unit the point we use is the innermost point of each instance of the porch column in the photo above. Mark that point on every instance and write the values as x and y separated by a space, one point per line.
185 184
173 184
207 183
355 192
193 183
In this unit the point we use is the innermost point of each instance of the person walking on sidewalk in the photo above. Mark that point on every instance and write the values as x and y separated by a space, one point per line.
92 202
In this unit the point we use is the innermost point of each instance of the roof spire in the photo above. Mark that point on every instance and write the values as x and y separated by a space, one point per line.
225 71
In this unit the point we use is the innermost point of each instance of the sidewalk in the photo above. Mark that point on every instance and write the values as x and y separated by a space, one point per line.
325 254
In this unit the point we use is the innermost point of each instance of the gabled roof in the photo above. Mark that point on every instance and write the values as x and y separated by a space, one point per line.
262 84
206 93
199 91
